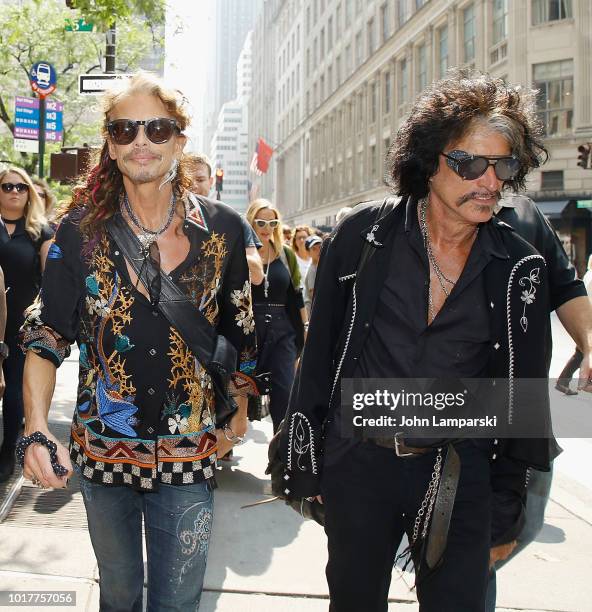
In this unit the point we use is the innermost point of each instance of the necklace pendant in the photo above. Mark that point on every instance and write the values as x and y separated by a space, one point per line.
266 287
146 241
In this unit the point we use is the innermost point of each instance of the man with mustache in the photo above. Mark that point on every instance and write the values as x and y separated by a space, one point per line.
153 286
443 291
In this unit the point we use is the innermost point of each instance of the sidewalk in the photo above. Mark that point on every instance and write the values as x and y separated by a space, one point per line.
268 558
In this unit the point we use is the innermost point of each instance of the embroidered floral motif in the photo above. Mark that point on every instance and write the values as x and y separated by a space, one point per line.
529 294
242 300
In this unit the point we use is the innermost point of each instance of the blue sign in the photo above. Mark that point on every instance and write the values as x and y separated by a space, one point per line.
26 119
43 78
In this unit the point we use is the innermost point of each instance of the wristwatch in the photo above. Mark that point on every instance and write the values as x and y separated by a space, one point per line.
4 350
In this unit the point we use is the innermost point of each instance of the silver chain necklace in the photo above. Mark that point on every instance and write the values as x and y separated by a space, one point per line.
148 236
442 278
265 276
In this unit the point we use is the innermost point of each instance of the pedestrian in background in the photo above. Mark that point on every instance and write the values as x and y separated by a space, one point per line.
313 246
280 316
287 234
22 258
47 197
301 233
575 361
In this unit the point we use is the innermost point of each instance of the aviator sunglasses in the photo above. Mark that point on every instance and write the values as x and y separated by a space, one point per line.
20 187
470 167
158 130
263 222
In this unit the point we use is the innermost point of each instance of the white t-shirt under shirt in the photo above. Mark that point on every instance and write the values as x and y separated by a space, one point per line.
303 266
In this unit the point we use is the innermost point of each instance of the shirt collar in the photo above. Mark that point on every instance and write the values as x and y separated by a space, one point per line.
194 212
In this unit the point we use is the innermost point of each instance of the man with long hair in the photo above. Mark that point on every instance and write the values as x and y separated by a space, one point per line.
439 292
134 246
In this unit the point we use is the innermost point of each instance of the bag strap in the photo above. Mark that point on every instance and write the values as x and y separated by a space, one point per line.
195 329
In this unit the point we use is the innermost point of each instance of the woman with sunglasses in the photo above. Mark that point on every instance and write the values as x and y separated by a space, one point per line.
278 306
301 233
22 258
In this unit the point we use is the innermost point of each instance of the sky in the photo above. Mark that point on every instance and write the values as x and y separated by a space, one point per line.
189 49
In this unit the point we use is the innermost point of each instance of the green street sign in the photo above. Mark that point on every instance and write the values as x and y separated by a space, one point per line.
78 25
584 204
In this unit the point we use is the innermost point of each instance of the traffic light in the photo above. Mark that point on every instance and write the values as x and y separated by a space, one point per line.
584 156
219 179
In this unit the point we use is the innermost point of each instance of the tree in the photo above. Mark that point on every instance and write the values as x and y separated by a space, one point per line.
34 31
105 12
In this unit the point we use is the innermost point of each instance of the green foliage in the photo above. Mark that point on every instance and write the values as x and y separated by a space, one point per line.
104 12
34 31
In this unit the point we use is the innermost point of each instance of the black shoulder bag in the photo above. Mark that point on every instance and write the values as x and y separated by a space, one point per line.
215 353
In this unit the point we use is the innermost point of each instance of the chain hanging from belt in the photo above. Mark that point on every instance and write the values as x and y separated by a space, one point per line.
424 513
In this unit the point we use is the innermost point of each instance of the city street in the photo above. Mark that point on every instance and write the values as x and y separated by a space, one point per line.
267 558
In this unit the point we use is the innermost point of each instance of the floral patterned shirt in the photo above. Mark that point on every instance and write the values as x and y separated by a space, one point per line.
145 406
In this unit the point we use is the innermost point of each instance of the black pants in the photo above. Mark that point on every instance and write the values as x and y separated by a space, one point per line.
276 346
371 499
575 361
12 402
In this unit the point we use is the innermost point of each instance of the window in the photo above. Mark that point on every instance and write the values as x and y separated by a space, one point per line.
401 12
338 71
338 22
500 21
359 50
387 93
443 50
371 37
373 102
322 87
469 33
550 10
308 18
348 60
422 68
385 28
554 80
322 52
330 81
360 105
348 12
403 84
330 34
307 63
373 164
552 180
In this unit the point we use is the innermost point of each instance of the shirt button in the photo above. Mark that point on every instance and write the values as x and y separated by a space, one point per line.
116 252
152 352
151 391
366 325
155 313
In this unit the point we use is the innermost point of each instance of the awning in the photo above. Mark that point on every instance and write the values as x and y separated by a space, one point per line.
554 209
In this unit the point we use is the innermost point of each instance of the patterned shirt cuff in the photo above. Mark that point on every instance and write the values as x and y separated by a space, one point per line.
242 385
46 343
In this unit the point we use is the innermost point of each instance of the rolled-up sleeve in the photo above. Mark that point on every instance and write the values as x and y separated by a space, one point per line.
52 321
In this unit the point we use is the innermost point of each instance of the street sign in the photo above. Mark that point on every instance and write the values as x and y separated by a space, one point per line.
26 119
78 25
96 84
26 146
584 204
43 79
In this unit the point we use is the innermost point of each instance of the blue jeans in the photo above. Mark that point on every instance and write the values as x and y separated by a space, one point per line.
177 523
539 487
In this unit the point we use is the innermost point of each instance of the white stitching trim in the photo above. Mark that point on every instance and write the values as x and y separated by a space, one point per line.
510 340
346 277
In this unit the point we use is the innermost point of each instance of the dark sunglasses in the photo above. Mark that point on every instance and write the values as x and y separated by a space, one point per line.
20 187
470 167
263 222
158 131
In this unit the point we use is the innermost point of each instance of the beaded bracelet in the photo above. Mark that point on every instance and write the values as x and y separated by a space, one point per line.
39 438
231 436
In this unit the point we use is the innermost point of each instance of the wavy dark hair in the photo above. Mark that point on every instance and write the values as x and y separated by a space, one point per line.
97 197
451 108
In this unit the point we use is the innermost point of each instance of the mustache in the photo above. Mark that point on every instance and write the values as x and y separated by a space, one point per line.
133 154
478 194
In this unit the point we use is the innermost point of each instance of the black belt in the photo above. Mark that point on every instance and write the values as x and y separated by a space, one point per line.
264 305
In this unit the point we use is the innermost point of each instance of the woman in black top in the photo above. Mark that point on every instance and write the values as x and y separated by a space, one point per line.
22 259
278 306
